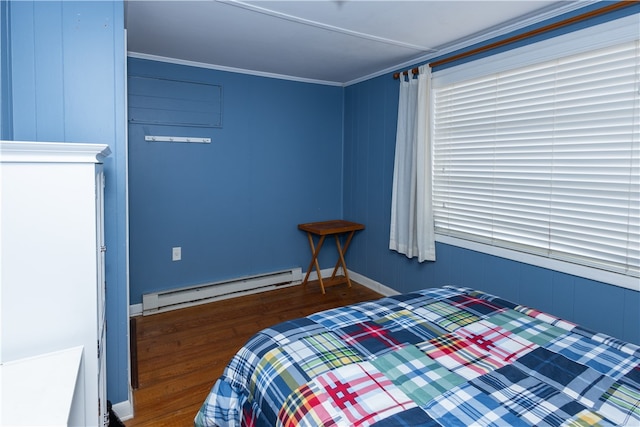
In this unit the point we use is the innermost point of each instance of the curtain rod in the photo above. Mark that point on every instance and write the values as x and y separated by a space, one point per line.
556 25
414 71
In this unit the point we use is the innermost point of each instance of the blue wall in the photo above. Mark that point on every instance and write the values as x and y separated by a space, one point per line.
370 121
233 205
65 71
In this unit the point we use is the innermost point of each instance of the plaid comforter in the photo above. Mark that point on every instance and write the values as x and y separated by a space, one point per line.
438 357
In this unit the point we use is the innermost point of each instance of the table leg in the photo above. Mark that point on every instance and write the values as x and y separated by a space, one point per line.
314 260
341 261
344 251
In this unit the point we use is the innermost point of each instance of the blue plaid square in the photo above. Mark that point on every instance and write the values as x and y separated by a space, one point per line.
601 357
338 317
625 347
531 399
478 306
466 405
577 381
414 417
224 404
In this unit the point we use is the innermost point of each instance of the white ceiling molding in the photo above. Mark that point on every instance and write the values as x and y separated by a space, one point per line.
229 69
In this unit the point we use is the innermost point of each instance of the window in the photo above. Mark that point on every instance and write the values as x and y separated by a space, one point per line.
544 158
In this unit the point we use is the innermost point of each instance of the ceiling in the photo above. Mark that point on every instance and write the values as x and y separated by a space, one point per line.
332 42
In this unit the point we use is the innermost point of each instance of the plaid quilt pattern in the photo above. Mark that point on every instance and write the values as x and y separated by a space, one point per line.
243 363
417 375
443 292
377 309
409 328
466 405
285 368
625 347
353 395
621 402
586 418
369 339
545 317
292 330
476 349
478 306
273 380
532 400
529 328
577 381
319 353
601 357
493 299
437 357
426 296
460 356
446 316
339 317
495 340
225 408
410 418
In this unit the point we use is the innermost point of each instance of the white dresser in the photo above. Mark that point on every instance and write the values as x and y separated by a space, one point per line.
52 284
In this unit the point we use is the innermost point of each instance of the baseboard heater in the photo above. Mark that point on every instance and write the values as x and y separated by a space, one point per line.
193 295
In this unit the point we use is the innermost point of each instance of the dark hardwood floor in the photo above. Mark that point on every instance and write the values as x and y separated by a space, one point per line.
181 353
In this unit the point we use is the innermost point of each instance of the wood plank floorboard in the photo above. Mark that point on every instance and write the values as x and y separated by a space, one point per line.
181 353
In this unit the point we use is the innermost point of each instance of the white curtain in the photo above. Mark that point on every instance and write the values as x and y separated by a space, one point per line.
411 201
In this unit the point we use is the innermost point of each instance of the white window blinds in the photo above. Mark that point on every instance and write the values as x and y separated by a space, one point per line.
545 158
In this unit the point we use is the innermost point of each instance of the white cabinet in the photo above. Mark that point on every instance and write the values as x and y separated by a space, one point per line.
52 286
43 390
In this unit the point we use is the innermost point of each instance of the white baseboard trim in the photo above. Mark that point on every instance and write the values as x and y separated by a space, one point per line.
372 284
135 310
124 410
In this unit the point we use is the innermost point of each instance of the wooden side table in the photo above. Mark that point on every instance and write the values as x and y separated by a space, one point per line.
323 229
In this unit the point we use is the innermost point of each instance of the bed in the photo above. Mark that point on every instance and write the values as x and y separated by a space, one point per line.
438 357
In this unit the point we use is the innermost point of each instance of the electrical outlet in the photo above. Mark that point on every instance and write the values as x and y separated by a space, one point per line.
176 253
